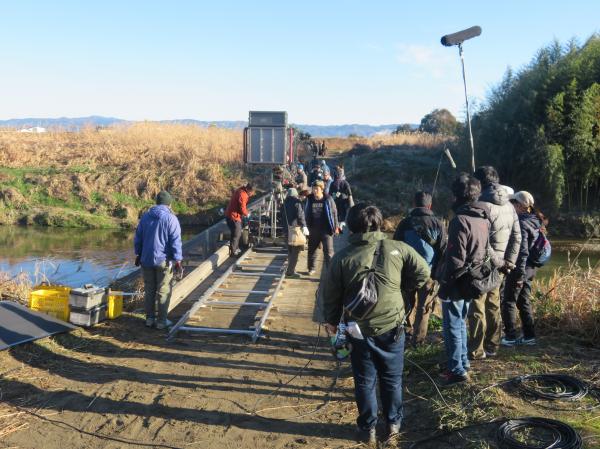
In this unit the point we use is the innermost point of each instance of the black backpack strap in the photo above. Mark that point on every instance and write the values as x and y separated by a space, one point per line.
376 254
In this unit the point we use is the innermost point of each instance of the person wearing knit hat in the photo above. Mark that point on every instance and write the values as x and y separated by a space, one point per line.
293 218
157 246
517 291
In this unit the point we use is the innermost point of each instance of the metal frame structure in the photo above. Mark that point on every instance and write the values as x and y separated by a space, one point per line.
234 270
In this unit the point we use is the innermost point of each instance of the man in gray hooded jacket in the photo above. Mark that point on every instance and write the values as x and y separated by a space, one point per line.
505 238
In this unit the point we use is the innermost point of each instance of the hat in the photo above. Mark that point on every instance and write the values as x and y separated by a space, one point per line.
300 166
292 192
508 189
319 183
523 197
164 197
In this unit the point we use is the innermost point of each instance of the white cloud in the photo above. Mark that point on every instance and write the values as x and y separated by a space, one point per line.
430 60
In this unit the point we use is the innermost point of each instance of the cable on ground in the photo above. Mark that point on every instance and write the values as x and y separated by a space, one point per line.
511 433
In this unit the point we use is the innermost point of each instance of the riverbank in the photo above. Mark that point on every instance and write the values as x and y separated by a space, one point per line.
104 178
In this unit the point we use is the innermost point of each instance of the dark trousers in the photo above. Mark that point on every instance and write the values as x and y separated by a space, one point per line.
316 237
518 297
380 357
293 254
235 228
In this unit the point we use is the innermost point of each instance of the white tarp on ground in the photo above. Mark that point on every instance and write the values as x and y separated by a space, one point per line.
35 129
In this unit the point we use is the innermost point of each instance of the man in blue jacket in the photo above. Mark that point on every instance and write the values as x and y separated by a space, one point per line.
157 246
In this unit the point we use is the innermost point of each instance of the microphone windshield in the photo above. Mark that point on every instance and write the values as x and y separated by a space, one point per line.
458 38
449 156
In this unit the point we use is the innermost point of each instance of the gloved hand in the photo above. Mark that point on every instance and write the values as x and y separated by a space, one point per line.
178 270
337 194
138 261
507 267
305 231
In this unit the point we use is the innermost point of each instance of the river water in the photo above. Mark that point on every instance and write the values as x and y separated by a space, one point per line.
75 257
66 256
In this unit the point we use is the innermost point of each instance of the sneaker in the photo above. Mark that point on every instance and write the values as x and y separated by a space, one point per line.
453 379
292 276
489 354
526 341
393 430
311 272
164 325
508 342
367 436
150 322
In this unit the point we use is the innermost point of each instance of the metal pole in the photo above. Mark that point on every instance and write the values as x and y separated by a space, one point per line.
462 61
436 175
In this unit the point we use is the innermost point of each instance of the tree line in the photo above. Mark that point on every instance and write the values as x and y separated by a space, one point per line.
540 127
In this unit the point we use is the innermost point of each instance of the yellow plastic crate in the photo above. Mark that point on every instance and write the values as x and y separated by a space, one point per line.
115 305
51 300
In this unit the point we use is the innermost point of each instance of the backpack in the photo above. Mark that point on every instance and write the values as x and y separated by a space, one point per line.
362 301
541 250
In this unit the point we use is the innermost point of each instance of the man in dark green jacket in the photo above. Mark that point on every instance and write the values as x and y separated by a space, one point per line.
379 351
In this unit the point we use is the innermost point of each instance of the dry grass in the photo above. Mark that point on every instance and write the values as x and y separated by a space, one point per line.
569 302
338 146
117 171
15 288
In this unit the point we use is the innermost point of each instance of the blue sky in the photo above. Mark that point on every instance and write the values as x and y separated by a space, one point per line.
325 62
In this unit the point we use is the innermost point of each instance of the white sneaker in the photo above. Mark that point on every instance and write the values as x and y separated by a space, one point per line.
526 341
508 342
311 272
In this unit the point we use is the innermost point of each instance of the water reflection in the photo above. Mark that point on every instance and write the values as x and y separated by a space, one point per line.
67 256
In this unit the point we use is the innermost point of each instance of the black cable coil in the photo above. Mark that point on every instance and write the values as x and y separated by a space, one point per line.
560 435
551 387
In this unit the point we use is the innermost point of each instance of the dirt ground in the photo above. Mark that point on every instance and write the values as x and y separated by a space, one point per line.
121 385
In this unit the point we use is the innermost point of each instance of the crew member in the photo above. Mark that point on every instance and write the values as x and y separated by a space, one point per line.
293 218
157 245
467 242
321 219
517 291
379 353
424 232
301 178
342 194
505 239
236 211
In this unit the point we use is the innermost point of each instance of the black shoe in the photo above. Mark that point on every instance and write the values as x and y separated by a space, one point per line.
393 430
367 436
452 379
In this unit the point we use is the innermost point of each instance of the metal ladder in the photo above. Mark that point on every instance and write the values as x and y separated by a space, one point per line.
239 269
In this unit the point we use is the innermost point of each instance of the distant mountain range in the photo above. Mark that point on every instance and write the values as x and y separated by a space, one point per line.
76 123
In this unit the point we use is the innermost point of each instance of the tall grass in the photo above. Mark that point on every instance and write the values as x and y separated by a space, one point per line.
124 166
569 303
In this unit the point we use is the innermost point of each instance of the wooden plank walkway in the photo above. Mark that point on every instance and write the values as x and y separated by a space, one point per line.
296 309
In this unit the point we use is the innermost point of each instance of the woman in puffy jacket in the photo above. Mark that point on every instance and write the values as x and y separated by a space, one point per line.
517 291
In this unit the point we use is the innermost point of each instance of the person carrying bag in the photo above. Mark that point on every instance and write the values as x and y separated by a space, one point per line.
295 226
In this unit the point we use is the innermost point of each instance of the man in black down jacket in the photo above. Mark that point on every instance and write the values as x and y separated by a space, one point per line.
293 215
467 242
341 192
422 230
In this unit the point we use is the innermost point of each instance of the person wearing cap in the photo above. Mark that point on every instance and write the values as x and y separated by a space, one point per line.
293 216
322 222
301 179
485 324
157 245
517 291
327 181
236 211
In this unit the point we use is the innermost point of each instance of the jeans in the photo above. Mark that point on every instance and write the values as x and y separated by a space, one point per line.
157 288
316 237
379 357
235 229
484 324
454 329
518 297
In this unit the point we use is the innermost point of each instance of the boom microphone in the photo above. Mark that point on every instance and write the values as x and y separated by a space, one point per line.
449 156
458 38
